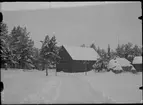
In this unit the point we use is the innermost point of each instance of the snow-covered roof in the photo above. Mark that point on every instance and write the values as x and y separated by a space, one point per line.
137 60
82 53
115 63
123 62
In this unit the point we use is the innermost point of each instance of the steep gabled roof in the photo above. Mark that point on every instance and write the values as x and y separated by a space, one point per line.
122 62
137 60
82 53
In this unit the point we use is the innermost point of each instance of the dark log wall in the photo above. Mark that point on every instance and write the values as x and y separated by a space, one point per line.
65 62
138 67
64 55
80 66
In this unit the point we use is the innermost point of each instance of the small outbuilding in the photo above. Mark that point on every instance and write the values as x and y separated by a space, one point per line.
76 59
120 65
137 63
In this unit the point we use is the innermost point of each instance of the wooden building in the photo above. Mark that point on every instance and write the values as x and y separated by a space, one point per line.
137 63
120 64
76 59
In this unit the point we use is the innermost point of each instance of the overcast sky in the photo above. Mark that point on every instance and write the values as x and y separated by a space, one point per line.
100 23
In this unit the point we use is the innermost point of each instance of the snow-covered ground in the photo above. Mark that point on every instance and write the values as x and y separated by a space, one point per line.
123 88
35 87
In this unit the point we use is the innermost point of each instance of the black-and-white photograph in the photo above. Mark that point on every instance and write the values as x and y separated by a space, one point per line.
71 52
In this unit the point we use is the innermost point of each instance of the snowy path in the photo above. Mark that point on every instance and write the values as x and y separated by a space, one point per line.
66 89
75 90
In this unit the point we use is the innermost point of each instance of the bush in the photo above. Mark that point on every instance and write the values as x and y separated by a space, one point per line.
127 68
117 71
100 66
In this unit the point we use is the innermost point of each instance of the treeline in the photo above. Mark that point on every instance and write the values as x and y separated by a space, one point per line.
18 51
128 51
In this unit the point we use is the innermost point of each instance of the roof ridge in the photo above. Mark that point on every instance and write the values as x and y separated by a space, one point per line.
77 46
81 53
